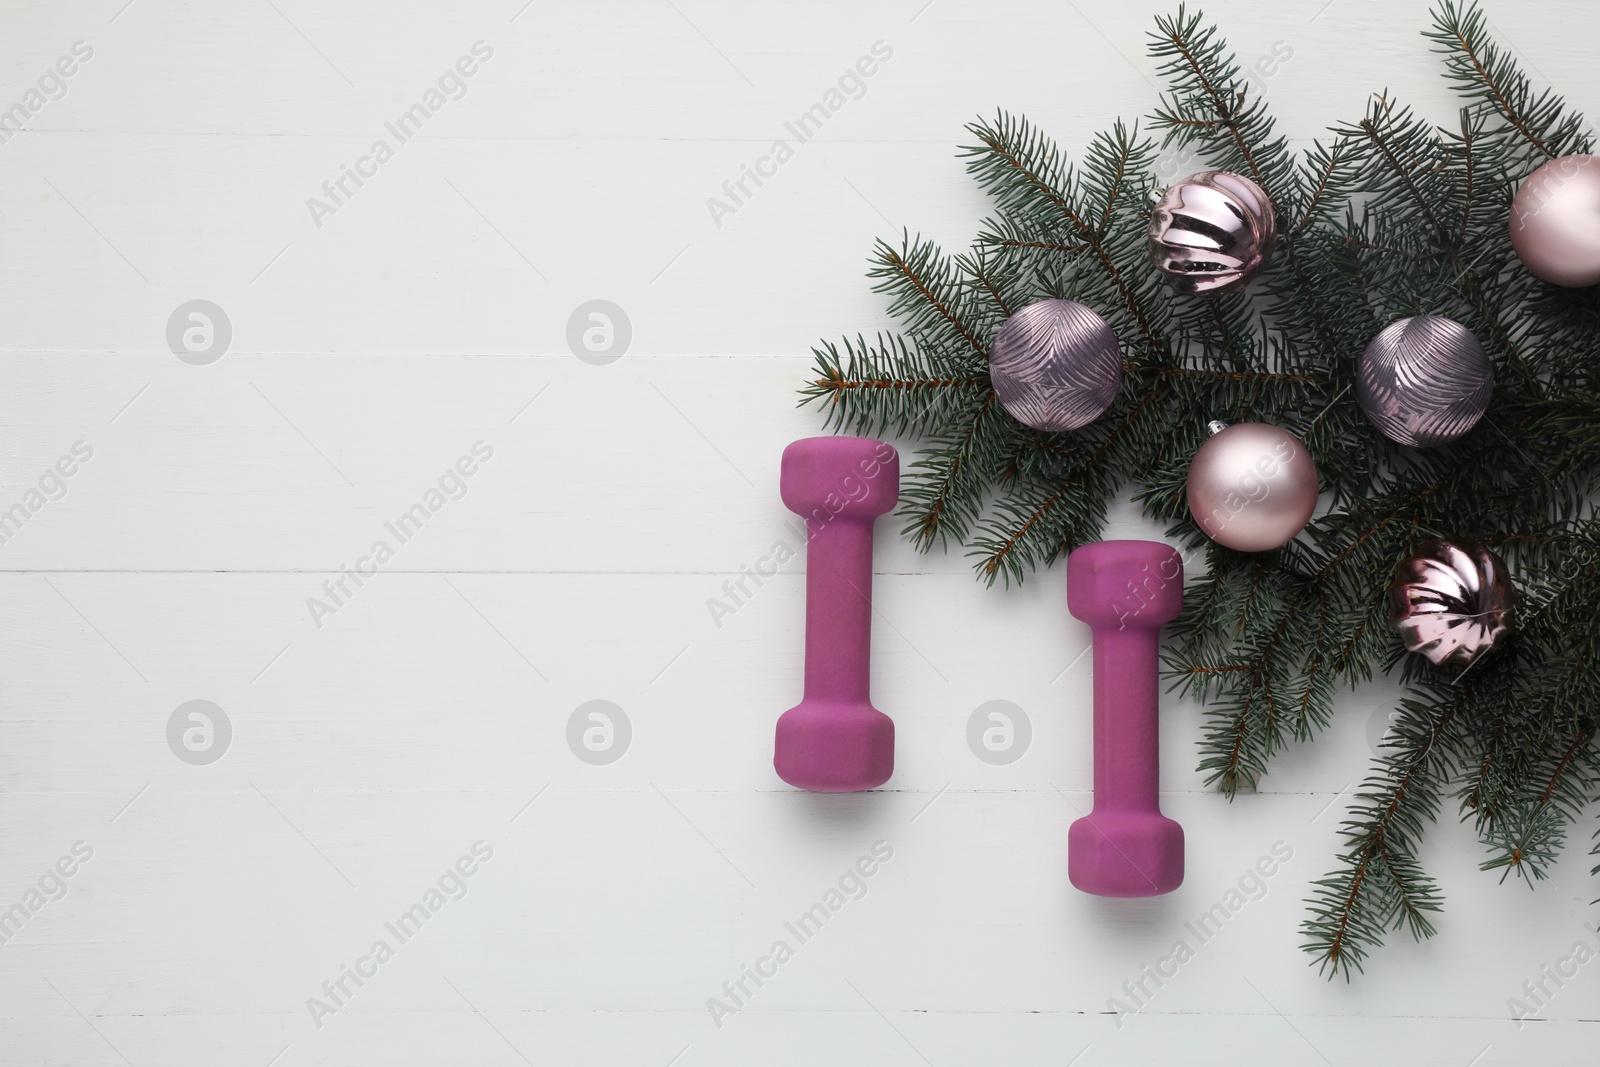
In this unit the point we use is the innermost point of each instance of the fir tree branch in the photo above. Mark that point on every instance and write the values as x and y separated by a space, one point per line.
1487 75
1382 834
1499 95
1003 166
1238 377
1583 736
921 281
932 508
870 388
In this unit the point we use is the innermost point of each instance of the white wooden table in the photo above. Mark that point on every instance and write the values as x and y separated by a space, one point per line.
174 909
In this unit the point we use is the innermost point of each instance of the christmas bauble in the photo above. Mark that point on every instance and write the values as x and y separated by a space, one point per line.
1424 380
1555 221
1252 486
1452 600
1055 365
1211 232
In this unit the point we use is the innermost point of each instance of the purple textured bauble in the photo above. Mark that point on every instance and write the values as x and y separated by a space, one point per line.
1424 381
1211 232
1252 486
1555 221
1055 365
1452 601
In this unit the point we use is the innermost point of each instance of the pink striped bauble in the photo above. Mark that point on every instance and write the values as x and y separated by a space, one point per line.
1055 365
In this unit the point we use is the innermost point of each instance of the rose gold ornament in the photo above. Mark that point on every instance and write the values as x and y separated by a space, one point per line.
1211 232
1555 221
1252 486
1452 601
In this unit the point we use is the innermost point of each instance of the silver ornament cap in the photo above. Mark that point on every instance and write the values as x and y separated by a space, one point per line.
1055 365
1452 601
1252 486
1212 232
1424 380
1555 221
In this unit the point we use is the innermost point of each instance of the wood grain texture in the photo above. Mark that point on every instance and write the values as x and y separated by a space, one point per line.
373 745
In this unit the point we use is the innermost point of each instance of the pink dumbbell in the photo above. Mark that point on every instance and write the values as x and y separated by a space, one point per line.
1125 591
834 740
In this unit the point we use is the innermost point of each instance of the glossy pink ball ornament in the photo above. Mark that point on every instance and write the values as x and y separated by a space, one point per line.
1212 232
1252 486
1452 601
1125 591
834 740
1555 221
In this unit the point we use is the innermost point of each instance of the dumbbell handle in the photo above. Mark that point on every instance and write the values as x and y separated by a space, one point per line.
838 608
1126 725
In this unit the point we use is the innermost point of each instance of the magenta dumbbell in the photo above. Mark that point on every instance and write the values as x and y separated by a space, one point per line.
834 740
1125 591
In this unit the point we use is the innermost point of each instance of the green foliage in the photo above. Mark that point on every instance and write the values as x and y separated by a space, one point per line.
1389 216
